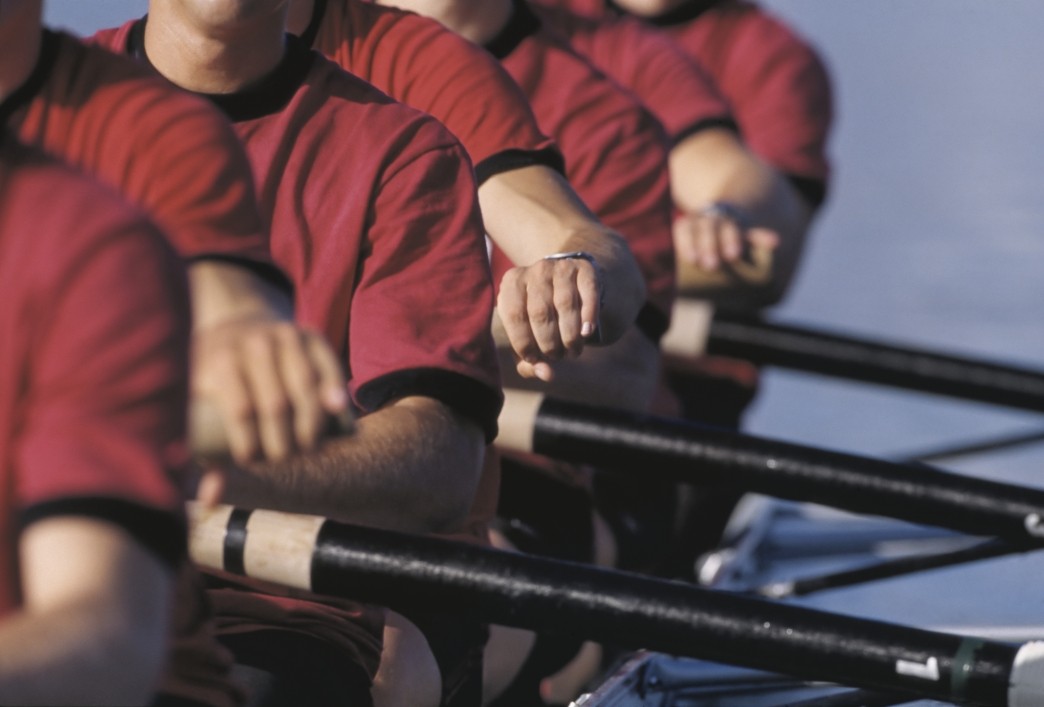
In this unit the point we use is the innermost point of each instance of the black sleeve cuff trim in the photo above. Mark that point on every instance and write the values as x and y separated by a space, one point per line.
687 12
813 190
464 395
725 122
515 159
163 534
50 47
311 32
265 97
269 272
652 322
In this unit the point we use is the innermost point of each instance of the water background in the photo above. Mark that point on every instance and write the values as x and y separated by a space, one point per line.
934 233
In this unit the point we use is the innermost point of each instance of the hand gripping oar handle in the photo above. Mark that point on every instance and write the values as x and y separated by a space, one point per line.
403 571
829 354
681 451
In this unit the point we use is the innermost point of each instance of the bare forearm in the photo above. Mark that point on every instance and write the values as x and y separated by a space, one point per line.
533 212
713 167
72 656
410 466
94 621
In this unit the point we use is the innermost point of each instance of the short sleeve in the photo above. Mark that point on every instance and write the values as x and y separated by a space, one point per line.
104 432
421 310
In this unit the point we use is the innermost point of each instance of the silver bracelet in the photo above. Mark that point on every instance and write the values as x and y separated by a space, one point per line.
573 255
725 210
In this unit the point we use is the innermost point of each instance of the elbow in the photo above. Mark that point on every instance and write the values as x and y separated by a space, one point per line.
462 453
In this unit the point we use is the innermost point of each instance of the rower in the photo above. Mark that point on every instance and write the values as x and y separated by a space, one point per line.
616 159
552 254
176 159
393 270
779 94
529 209
93 381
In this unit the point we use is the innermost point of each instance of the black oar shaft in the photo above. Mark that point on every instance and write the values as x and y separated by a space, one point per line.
403 572
661 448
887 569
831 354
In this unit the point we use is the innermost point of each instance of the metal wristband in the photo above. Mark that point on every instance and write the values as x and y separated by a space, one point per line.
573 255
725 210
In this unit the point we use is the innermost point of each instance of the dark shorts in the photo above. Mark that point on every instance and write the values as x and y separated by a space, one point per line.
457 644
541 515
288 669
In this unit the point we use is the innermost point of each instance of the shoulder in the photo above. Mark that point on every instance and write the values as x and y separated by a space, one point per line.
754 28
354 101
53 235
119 93
114 38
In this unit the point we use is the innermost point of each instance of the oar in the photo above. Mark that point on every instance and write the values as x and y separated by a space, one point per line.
402 571
680 451
887 569
830 354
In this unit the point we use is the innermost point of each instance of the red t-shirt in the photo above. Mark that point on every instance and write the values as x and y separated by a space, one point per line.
93 362
776 84
615 150
642 59
163 150
419 62
375 217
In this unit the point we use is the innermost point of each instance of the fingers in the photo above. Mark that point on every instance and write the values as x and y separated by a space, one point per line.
549 310
301 381
274 384
712 236
590 285
217 377
211 487
333 389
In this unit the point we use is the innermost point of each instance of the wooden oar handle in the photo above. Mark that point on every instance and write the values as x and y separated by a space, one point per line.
690 327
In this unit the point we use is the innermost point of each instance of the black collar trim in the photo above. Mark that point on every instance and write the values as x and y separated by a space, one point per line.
312 30
50 47
265 97
522 23
678 16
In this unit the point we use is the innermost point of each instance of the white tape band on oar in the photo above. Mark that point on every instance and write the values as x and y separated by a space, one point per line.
207 528
266 545
1027 676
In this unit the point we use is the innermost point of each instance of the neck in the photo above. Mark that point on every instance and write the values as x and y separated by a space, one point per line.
300 16
20 36
476 20
213 53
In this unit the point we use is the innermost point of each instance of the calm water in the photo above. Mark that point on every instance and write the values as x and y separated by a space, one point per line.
935 230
